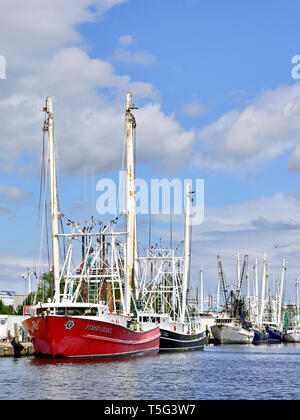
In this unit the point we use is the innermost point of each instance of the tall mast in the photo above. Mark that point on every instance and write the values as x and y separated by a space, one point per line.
297 301
218 290
53 197
221 278
202 291
263 291
255 267
130 202
238 271
242 275
187 251
281 292
255 280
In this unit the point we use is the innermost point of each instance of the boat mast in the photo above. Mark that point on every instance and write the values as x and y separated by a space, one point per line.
221 278
218 290
297 302
255 291
202 291
130 202
238 272
187 251
263 290
281 292
255 281
53 197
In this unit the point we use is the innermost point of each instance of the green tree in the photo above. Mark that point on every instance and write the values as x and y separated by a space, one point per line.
6 310
45 289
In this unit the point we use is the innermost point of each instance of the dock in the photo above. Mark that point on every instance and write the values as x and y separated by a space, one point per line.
7 350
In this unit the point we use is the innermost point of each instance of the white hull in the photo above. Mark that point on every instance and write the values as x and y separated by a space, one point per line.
232 334
292 336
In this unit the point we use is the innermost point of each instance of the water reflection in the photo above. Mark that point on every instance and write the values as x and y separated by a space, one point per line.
43 361
218 372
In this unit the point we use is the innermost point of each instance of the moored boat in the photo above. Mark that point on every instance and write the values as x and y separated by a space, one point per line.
292 335
164 288
90 314
260 336
229 331
81 330
291 328
176 335
275 334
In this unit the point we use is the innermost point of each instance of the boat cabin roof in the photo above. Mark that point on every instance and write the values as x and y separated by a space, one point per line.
68 304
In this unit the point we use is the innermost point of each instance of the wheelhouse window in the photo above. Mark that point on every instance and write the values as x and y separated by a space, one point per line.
85 311
150 319
81 311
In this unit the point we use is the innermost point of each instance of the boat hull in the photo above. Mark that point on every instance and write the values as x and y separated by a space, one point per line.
275 335
228 334
174 341
292 336
260 337
59 336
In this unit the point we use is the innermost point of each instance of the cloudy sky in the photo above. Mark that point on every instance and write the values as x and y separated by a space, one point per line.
218 99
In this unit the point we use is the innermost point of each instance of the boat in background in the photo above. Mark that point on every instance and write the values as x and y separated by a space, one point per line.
232 327
164 287
260 336
292 335
228 330
176 335
275 334
267 313
291 327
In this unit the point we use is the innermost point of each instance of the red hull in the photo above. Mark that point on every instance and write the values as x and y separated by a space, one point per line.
79 337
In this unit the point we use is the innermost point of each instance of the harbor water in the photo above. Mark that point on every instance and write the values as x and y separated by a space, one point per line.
229 372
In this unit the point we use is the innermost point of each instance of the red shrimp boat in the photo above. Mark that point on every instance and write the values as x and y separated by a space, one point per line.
93 316
92 333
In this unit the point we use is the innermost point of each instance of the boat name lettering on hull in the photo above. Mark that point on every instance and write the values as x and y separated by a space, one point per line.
98 328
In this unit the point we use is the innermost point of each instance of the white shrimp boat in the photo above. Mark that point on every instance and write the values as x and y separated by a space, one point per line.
292 331
231 327
292 336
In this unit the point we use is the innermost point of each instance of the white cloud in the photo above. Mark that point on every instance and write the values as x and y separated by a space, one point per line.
121 55
5 210
34 31
267 225
88 94
193 109
267 128
126 40
72 72
13 194
12 268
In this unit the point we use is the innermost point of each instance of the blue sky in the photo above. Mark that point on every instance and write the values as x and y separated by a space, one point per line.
217 101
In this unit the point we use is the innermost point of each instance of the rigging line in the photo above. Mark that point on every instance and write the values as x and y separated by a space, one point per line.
40 195
85 197
150 226
43 220
42 172
58 194
121 187
47 236
93 193
47 222
171 228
